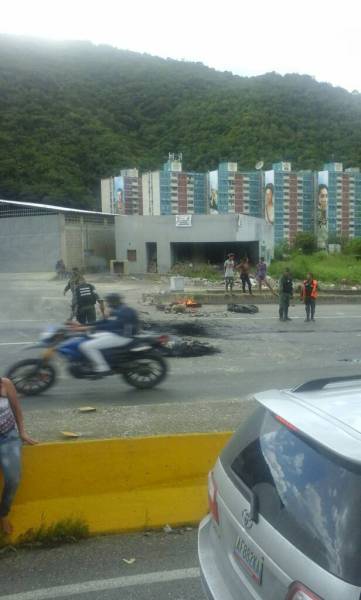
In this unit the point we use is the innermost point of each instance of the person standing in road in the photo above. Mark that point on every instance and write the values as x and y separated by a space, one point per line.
285 294
309 295
86 298
12 433
71 285
244 272
229 268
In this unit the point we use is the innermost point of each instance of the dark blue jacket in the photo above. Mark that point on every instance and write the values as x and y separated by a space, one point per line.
122 321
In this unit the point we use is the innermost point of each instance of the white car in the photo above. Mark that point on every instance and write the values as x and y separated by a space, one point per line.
285 499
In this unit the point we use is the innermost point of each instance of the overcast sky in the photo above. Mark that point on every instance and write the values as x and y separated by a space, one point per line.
248 37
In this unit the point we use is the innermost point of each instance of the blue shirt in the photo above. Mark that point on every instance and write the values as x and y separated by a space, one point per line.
122 321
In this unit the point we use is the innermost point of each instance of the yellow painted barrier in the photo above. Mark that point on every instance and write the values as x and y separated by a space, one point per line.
117 485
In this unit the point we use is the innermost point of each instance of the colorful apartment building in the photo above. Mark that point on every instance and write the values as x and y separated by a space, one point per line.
327 202
173 191
122 194
289 201
239 192
338 202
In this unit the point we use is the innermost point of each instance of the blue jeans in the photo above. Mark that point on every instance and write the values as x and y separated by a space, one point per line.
10 465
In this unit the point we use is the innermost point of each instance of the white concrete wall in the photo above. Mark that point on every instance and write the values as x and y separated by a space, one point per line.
133 232
151 193
30 243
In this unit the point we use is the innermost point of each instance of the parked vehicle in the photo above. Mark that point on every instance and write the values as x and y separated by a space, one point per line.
284 517
140 363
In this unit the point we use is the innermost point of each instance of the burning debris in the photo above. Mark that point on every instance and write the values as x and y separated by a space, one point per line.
179 306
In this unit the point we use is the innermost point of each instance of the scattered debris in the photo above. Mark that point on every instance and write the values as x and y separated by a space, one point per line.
129 561
167 529
179 308
243 308
86 409
187 347
70 434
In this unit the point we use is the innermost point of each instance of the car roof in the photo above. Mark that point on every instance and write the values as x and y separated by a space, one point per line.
329 413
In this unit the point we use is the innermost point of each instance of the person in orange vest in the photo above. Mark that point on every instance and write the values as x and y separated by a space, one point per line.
309 295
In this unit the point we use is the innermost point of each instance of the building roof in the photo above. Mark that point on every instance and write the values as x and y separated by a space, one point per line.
51 207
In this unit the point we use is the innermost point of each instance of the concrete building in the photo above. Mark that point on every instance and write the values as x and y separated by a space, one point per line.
239 192
122 194
339 196
173 191
34 236
156 243
289 201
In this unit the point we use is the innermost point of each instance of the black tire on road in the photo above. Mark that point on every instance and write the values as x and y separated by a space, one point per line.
31 376
146 371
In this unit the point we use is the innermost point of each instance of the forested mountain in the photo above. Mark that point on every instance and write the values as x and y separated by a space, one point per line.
71 113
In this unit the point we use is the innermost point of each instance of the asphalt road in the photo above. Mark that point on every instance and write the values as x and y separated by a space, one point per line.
160 567
257 352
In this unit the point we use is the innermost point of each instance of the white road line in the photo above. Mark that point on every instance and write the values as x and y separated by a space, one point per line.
16 343
100 585
23 320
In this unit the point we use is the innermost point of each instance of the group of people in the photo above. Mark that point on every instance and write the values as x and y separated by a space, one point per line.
231 266
309 291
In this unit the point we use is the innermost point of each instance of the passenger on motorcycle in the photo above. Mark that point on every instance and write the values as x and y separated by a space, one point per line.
115 331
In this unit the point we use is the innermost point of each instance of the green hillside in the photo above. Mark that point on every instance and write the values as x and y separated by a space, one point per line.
71 113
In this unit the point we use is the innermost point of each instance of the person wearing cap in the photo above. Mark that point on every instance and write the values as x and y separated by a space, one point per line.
229 269
114 331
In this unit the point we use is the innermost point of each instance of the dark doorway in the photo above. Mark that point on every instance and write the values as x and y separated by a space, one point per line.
214 253
152 259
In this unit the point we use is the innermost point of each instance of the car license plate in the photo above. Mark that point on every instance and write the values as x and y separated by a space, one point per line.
249 560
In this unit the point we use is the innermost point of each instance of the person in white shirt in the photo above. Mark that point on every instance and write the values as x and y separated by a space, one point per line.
229 271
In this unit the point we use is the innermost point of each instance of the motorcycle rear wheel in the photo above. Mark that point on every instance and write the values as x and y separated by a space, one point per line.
32 376
146 371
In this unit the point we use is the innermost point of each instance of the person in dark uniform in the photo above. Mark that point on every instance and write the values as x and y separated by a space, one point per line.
86 297
285 294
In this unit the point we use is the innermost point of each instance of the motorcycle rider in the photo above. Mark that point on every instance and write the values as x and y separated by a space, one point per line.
115 331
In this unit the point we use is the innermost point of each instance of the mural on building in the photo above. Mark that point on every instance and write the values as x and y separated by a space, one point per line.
322 216
269 208
119 195
213 192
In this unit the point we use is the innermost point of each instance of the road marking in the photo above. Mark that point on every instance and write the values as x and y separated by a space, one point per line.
100 585
22 320
15 343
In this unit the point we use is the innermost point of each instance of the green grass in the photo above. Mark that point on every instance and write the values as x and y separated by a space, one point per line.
63 532
330 268
199 270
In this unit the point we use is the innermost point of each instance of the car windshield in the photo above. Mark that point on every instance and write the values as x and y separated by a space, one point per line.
311 496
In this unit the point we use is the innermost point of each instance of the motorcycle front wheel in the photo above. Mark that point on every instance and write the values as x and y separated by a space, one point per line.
145 371
32 376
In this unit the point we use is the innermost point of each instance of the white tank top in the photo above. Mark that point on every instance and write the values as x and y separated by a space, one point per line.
7 418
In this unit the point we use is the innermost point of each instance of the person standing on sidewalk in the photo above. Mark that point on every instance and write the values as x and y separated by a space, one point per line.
12 433
309 295
229 267
244 271
261 273
285 294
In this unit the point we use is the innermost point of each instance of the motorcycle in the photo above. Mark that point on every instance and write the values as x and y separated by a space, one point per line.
140 363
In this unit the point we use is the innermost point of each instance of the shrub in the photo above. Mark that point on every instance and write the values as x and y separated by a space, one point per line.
306 242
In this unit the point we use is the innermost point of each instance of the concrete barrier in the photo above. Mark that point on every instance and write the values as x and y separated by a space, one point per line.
117 485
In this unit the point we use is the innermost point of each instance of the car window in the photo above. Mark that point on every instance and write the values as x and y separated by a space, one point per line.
311 496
